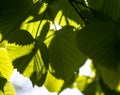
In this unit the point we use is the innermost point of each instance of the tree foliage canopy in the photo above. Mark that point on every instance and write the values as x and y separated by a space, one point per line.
49 40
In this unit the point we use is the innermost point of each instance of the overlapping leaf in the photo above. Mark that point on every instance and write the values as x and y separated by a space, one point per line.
60 12
40 72
7 89
65 58
99 40
20 35
30 58
110 8
10 22
53 84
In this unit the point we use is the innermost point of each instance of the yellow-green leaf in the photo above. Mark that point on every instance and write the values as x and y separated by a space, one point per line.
6 67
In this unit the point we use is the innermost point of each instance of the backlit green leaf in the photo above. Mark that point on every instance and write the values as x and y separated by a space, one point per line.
65 57
60 12
9 89
16 51
53 84
6 67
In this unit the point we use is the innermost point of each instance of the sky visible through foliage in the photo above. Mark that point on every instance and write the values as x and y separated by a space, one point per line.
24 86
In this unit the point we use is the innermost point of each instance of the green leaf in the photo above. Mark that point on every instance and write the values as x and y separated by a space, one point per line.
41 64
44 54
6 87
96 4
39 69
42 46
70 82
111 78
21 57
65 57
22 62
38 79
53 84
6 67
60 12
12 14
2 83
110 8
44 32
82 82
0 37
1 93
90 88
17 51
99 41
39 11
9 89
21 37
106 89
93 89
34 64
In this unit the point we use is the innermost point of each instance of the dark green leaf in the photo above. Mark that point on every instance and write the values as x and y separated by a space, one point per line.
40 62
2 83
22 62
38 79
91 89
98 40
44 54
44 32
65 57
12 14
6 87
96 4
110 78
110 8
38 11
69 82
21 37
106 89
60 11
